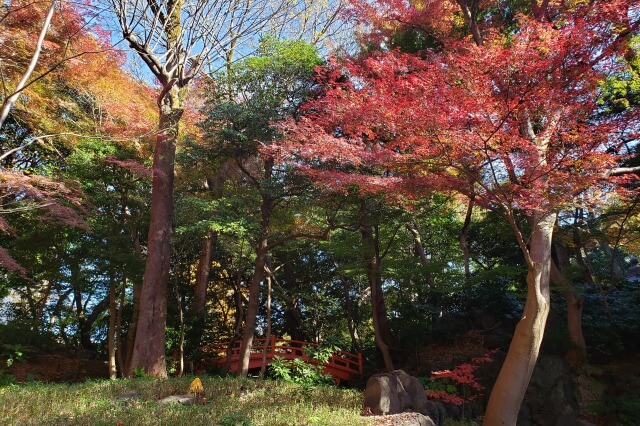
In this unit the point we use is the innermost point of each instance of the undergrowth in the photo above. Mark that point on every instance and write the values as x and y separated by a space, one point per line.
225 401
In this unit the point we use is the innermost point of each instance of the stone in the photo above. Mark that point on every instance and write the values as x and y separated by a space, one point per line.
404 419
186 399
398 392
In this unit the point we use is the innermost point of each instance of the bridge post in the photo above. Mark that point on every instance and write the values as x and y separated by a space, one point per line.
272 349
360 363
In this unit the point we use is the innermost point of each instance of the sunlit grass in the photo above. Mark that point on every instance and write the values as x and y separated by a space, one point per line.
93 403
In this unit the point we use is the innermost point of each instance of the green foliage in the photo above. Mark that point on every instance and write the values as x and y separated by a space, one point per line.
9 353
304 373
621 91
139 373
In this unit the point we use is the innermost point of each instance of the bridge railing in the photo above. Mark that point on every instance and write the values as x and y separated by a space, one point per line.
284 348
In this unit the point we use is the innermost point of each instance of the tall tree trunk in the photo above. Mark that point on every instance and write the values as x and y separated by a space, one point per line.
181 325
252 309
513 380
267 337
200 291
111 332
149 347
262 249
577 353
371 257
118 337
238 326
463 238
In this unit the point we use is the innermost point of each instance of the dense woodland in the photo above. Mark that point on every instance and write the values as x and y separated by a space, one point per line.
378 176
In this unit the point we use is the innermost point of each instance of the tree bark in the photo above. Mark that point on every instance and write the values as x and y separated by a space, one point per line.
118 337
513 380
267 337
262 249
111 332
371 258
419 251
149 347
200 291
252 309
463 238
238 325
577 353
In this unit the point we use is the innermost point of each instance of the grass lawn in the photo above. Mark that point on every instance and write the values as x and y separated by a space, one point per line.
228 402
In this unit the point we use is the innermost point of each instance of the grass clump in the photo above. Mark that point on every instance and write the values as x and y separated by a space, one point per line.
226 401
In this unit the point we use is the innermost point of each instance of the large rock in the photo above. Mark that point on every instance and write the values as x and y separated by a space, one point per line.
397 392
550 398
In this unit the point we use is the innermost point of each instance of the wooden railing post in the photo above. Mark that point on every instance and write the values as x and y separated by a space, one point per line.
273 346
360 363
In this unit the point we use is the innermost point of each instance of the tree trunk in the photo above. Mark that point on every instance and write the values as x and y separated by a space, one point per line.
252 309
266 208
149 347
371 257
118 337
111 332
463 238
238 325
419 251
200 291
577 353
180 372
267 337
513 380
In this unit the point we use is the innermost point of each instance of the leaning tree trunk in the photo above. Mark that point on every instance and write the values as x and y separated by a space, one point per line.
513 380
252 309
149 348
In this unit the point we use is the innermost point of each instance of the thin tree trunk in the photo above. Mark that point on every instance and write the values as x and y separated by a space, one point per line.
252 309
463 238
181 325
267 339
200 291
238 325
266 208
11 99
119 339
111 332
133 326
577 353
513 380
150 340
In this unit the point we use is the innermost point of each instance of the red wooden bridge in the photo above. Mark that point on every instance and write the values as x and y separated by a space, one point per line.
341 366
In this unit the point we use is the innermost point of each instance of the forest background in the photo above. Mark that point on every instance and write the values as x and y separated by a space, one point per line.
377 171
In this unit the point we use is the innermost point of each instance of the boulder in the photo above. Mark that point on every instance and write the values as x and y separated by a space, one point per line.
398 392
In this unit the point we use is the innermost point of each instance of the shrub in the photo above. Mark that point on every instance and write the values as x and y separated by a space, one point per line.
301 372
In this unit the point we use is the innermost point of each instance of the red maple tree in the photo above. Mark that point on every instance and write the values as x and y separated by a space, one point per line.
512 121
